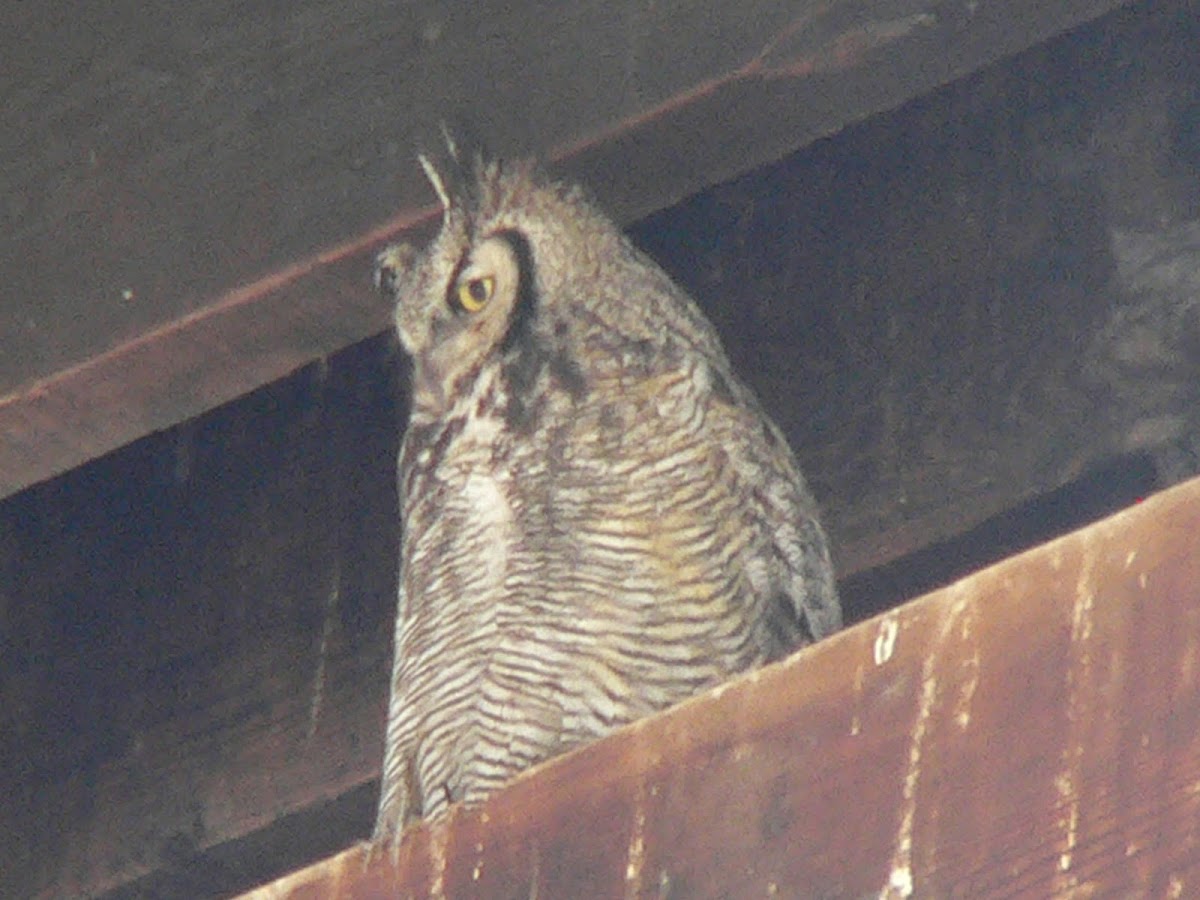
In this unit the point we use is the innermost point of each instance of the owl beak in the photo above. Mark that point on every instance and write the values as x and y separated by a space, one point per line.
428 385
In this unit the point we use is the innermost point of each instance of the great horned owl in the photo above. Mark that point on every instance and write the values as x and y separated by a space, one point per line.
598 518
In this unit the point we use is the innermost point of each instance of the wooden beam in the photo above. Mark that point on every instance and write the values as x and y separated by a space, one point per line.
1032 730
195 198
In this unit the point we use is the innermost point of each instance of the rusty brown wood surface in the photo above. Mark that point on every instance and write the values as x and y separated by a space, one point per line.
1032 730
193 194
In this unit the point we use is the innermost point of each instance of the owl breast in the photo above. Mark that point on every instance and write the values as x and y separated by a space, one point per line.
598 572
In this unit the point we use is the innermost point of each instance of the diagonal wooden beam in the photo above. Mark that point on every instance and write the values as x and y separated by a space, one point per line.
195 209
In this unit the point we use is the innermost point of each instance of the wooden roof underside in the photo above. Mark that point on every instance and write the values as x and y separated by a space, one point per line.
195 198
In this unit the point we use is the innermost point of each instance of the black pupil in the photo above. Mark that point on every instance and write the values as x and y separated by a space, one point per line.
477 290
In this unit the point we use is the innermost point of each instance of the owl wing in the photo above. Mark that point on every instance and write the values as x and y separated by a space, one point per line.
399 798
398 795
802 593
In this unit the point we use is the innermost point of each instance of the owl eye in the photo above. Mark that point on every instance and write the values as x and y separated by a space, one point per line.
473 294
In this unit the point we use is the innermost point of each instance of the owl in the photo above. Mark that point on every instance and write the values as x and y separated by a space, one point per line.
599 520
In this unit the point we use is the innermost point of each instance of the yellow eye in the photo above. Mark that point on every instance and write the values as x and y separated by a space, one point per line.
474 293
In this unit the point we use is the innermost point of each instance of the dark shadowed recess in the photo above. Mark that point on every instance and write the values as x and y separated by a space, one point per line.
1093 496
288 844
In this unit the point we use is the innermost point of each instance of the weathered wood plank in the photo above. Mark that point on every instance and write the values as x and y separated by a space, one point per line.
184 185
1032 730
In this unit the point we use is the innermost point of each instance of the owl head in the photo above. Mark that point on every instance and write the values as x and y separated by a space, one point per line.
526 277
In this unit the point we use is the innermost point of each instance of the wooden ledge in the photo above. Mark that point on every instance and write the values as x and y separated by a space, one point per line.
1033 729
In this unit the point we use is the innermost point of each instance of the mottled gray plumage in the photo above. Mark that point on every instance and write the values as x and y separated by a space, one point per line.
599 520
